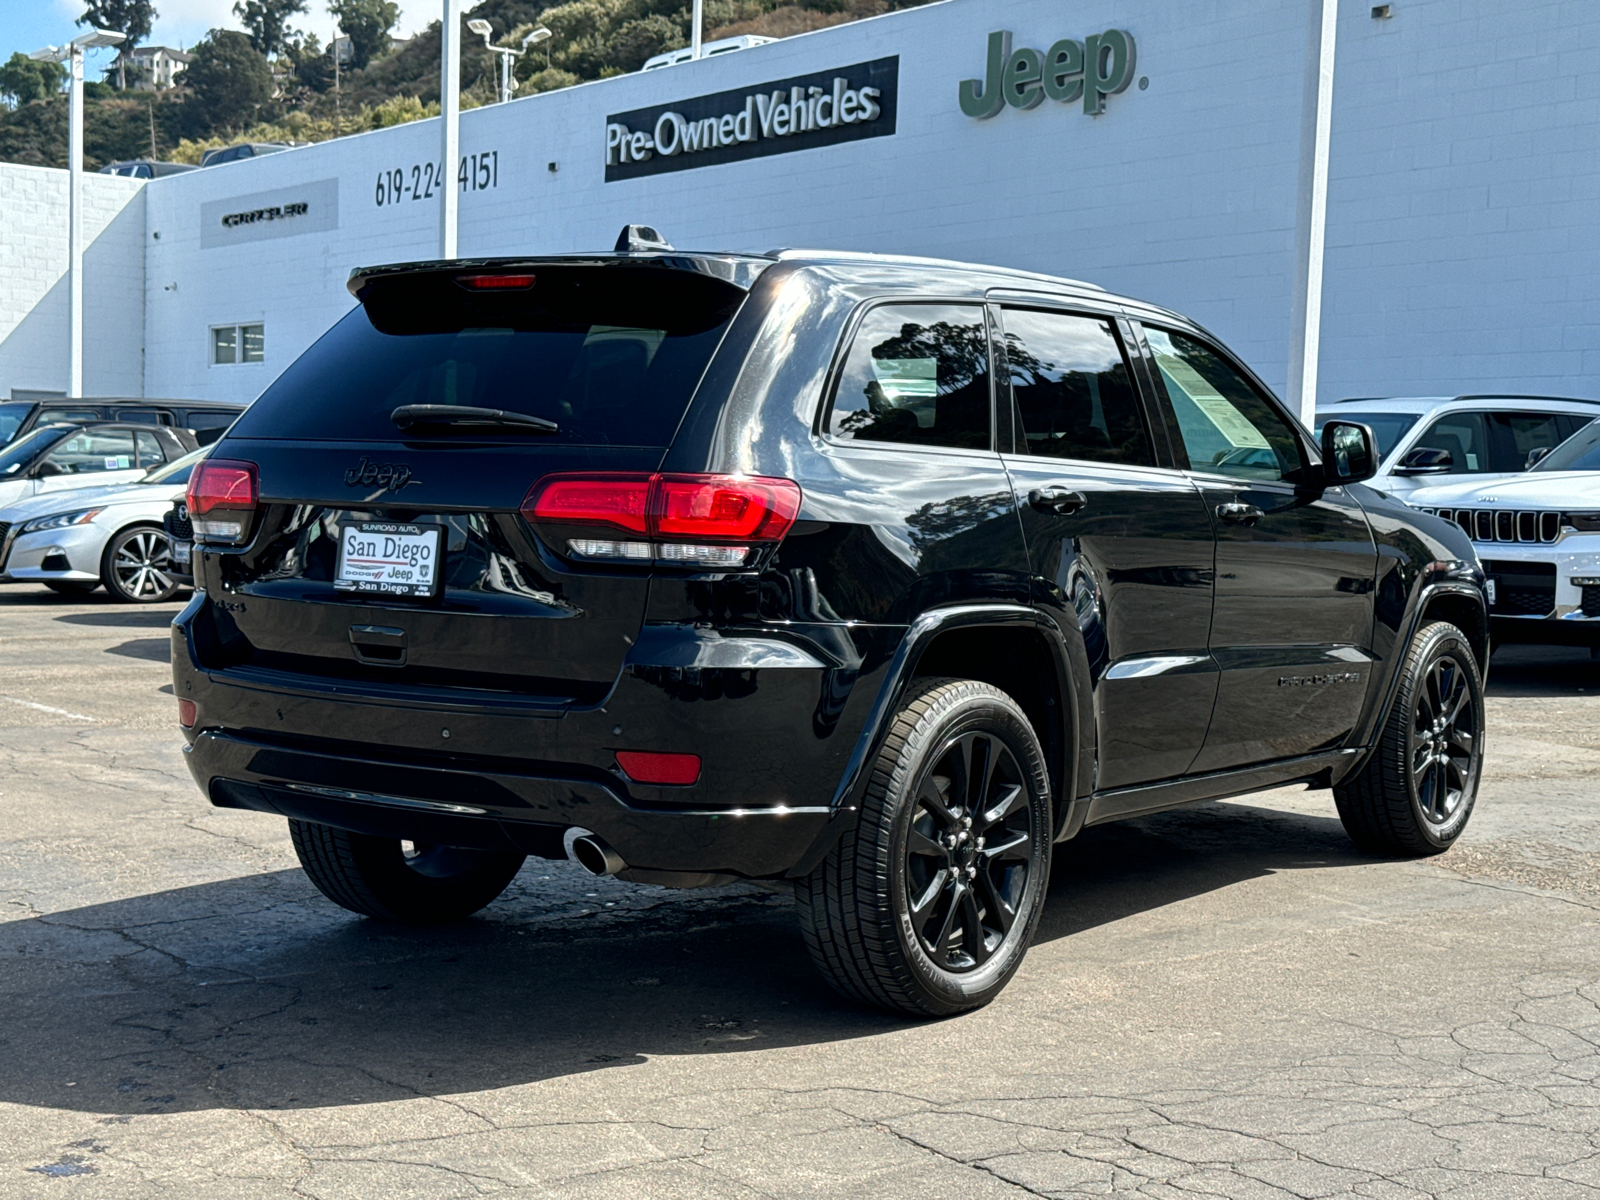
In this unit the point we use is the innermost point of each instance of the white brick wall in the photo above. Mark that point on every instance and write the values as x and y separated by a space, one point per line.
33 282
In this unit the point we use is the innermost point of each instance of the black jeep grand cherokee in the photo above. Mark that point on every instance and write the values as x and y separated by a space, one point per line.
875 575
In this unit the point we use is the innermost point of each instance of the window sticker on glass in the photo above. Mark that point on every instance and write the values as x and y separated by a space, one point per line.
117 462
1218 409
907 378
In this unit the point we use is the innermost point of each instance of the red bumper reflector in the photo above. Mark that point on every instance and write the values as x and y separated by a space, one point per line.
186 713
673 770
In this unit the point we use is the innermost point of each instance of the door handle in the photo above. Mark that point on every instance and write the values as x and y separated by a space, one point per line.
1056 500
1239 514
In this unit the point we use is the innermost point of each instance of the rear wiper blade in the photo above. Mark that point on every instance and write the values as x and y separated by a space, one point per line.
461 414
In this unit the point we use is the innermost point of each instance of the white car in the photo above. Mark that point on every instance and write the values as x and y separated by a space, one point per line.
1538 535
74 541
65 456
1428 440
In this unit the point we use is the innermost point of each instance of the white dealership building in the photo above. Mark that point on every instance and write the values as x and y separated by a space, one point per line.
1452 203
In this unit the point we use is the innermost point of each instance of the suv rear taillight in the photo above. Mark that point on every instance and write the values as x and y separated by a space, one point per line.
222 500
684 520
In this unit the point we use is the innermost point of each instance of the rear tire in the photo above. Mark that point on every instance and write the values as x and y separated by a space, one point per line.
1414 795
926 905
377 877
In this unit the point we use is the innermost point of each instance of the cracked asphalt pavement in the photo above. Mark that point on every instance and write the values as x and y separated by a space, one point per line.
1221 1001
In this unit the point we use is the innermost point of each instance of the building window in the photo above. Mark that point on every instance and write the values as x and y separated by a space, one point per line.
237 344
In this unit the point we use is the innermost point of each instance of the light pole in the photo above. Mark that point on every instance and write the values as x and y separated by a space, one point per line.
507 55
72 54
450 124
697 34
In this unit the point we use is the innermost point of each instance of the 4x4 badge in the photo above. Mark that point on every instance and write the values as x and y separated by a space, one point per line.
388 476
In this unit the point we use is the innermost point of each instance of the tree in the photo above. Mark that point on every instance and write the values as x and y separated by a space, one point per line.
230 80
22 80
367 24
133 18
268 22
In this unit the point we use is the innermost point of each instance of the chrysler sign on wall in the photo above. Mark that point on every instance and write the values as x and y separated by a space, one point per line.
821 109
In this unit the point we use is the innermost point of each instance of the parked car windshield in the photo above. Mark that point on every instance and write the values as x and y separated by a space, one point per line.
611 355
11 418
20 453
176 471
1387 428
1580 452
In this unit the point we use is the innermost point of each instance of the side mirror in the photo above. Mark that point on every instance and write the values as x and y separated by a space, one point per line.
1535 455
1425 461
1349 453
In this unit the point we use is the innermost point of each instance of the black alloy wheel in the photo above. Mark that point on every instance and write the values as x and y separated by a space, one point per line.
137 566
1415 793
1444 746
969 852
927 902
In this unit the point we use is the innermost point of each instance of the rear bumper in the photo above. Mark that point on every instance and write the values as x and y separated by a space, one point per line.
774 726
515 812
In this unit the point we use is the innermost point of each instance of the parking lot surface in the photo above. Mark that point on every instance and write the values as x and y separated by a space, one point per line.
1221 1001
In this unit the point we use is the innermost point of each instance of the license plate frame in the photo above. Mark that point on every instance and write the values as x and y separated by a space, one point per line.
390 571
1491 589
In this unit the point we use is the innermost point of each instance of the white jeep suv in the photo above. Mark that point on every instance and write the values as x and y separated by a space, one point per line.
1538 534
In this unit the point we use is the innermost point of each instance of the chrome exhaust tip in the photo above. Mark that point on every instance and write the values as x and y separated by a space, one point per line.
595 857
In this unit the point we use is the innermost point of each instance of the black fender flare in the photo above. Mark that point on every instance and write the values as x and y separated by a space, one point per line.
1443 578
920 634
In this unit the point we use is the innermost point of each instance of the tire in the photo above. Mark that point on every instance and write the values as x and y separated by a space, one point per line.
917 836
136 566
1416 792
383 878
69 587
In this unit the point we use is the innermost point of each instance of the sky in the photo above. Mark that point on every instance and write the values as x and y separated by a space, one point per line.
29 24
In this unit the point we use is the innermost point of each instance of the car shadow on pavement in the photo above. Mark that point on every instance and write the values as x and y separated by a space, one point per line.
124 616
1523 671
154 649
254 992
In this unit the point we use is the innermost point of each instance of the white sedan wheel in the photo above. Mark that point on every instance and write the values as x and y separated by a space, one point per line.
137 567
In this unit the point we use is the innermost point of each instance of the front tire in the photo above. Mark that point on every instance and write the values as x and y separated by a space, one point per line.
136 567
411 883
1414 795
927 904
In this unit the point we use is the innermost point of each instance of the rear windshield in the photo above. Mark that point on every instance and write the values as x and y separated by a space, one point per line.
611 355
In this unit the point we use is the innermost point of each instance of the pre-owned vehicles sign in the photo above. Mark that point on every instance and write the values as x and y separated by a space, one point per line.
806 111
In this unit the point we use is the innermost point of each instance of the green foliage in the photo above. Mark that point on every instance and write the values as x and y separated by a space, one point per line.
268 22
229 82
22 81
367 24
131 17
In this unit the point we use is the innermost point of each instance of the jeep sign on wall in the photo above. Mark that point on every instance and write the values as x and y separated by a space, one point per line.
1068 71
842 105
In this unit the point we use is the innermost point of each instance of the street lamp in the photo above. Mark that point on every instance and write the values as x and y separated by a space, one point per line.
72 53
507 71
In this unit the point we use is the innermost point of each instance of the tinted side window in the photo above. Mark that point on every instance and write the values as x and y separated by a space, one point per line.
149 448
917 374
1519 434
1072 388
88 452
1227 426
1465 436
